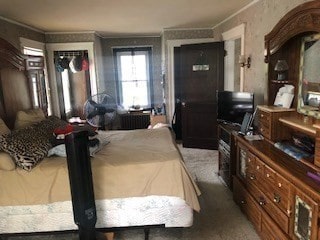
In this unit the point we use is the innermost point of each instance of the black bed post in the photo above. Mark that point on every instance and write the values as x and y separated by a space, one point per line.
81 184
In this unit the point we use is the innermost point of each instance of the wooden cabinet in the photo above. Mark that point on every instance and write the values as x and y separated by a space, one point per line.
268 193
288 199
275 193
227 154
268 122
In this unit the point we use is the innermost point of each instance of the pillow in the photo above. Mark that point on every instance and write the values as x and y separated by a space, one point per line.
29 145
3 128
28 117
6 162
59 150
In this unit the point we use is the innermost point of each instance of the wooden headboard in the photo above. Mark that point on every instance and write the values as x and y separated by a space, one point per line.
15 92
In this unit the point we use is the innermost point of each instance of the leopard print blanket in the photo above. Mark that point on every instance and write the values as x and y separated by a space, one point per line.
28 146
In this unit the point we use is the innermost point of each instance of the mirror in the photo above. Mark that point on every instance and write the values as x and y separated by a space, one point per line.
309 82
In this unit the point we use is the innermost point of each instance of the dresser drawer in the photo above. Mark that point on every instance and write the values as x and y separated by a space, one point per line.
268 205
277 189
279 199
270 126
270 231
259 170
282 185
255 170
264 117
269 176
253 212
239 192
264 130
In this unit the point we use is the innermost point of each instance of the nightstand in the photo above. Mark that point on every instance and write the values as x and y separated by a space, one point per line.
154 119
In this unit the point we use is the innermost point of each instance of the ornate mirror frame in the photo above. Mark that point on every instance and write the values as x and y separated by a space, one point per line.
308 88
285 41
302 19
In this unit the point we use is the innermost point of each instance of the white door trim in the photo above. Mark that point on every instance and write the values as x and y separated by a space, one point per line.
232 34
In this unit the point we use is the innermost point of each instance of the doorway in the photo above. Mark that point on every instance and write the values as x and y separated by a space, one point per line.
73 82
234 44
53 83
231 65
201 75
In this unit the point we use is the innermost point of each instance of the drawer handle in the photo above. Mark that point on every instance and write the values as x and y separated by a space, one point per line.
262 201
258 167
261 129
243 202
276 198
252 177
279 185
268 175
262 115
289 212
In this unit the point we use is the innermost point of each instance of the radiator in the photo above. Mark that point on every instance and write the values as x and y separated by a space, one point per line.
135 121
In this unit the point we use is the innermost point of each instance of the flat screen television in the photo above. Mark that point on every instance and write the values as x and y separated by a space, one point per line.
232 106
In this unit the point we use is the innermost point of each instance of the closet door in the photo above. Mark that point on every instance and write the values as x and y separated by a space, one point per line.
202 71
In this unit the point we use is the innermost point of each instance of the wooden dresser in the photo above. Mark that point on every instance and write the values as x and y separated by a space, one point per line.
272 189
279 194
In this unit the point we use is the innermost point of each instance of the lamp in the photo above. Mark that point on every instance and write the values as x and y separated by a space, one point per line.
281 67
244 62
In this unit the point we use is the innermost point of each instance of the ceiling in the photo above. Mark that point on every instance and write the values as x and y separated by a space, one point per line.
112 18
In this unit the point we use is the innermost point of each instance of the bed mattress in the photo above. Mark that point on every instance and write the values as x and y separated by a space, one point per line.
139 178
122 212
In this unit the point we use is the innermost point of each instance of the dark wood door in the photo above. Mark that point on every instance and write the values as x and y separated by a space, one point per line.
202 69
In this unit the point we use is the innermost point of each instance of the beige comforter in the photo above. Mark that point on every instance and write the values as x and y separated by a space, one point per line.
134 164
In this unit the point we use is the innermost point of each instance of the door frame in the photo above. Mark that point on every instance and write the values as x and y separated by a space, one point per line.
171 44
233 34
80 46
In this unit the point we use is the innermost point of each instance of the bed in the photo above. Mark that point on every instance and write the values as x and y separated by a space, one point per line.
139 176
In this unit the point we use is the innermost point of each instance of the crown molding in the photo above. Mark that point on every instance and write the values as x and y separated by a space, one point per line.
71 32
21 24
236 13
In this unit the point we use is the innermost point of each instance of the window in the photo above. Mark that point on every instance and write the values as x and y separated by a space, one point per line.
32 51
134 77
34 48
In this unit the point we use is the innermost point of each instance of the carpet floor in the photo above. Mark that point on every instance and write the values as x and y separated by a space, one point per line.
219 218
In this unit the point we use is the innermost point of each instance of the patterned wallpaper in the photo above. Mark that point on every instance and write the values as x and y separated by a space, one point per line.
170 34
69 37
12 33
260 18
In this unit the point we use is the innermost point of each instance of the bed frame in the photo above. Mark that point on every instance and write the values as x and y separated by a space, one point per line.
14 84
17 72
